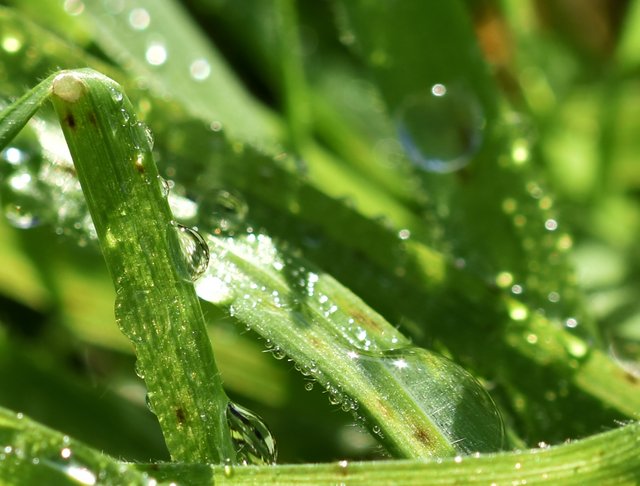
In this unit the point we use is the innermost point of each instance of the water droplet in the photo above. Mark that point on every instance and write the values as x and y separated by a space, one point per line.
139 19
571 323
554 297
252 439
20 217
73 7
144 136
576 347
445 392
517 311
12 43
81 474
65 453
165 187
551 224
308 386
228 468
222 211
440 131
504 279
156 53
194 249
148 401
200 69
404 234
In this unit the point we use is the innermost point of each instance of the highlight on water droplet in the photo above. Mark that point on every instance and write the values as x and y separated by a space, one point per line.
12 42
200 69
73 7
441 130
139 19
252 439
156 53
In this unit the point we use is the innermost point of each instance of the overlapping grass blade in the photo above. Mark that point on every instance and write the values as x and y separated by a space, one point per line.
34 454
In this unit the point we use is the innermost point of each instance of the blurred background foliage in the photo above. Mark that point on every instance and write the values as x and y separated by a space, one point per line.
552 184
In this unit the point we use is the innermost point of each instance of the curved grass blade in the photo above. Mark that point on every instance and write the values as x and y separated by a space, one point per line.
31 453
156 306
15 116
420 404
609 458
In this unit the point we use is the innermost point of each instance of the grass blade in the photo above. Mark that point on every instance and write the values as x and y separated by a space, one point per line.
156 306
420 404
606 459
15 116
34 454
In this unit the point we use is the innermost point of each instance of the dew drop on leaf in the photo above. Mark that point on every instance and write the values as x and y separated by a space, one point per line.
453 399
252 439
195 250
222 211
441 130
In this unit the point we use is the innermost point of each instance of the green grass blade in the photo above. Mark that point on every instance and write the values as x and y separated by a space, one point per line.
15 116
33 454
156 306
169 52
421 404
609 458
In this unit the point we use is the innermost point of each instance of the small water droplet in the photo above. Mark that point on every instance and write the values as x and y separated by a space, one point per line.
139 19
504 279
252 439
308 386
81 474
517 311
194 249
12 42
228 468
20 217
144 136
222 211
571 323
165 187
551 224
404 234
156 53
576 347
440 131
73 7
200 69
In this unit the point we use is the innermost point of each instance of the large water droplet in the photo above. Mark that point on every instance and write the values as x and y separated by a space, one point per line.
194 249
440 131
451 397
252 439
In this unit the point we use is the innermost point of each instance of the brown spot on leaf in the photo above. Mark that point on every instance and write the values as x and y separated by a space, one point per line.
92 118
180 416
422 435
70 120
